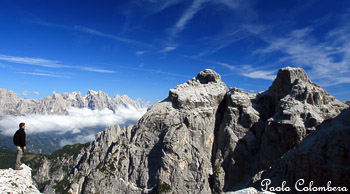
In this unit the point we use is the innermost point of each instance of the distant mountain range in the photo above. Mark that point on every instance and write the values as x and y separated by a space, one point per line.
58 104
53 111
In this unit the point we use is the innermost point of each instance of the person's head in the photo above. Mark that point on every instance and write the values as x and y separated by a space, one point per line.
22 125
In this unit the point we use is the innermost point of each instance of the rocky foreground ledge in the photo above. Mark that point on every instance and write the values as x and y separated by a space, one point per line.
17 181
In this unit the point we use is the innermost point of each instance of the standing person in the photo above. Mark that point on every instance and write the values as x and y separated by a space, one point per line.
19 139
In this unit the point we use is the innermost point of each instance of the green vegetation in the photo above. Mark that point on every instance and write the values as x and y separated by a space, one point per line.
217 170
163 187
8 158
68 150
62 186
35 161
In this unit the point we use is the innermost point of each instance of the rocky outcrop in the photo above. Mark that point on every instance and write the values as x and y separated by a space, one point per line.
17 181
60 103
205 138
321 158
257 129
169 148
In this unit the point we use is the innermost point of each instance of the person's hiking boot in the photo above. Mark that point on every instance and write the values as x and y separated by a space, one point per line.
18 168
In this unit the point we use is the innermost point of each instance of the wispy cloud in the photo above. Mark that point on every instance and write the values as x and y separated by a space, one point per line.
49 64
98 70
251 72
261 74
326 61
230 67
197 58
91 31
5 66
33 61
140 53
152 71
168 49
110 36
196 6
26 93
41 74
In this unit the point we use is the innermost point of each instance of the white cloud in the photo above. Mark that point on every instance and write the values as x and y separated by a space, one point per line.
78 139
140 53
76 120
98 70
47 63
230 67
152 71
33 61
187 16
251 72
41 74
110 36
168 49
259 74
25 93
327 61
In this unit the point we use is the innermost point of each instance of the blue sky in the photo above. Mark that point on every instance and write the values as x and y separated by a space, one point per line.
143 48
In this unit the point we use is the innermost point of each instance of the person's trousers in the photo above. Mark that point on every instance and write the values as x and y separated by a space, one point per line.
19 156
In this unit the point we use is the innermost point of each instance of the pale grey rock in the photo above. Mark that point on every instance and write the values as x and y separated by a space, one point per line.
59 104
11 104
205 138
169 148
17 181
321 157
257 129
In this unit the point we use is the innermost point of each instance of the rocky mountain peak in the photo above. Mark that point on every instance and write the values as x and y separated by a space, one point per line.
60 103
92 92
207 76
206 90
285 79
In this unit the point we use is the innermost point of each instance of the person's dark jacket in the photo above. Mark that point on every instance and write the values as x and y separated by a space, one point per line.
19 139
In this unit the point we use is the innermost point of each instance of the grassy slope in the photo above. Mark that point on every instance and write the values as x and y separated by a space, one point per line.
8 157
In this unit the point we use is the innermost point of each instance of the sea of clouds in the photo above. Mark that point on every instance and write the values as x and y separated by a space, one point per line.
77 120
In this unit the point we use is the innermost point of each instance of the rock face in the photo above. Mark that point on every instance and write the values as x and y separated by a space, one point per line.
59 104
257 129
205 138
322 157
17 181
169 148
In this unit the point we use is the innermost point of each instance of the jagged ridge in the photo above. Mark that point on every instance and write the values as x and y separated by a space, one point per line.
60 103
205 138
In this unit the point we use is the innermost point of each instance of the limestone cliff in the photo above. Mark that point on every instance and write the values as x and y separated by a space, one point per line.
205 138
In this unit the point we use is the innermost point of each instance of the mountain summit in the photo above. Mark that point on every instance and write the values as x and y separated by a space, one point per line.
206 138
